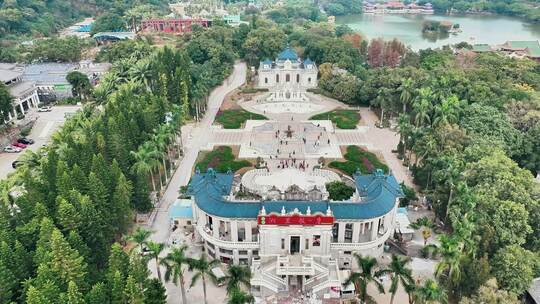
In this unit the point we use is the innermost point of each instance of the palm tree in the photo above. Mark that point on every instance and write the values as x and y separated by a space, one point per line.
410 289
142 72
449 268
203 269
399 273
422 106
405 96
366 276
237 275
449 176
155 249
145 161
431 293
405 129
237 296
140 236
447 111
160 143
175 263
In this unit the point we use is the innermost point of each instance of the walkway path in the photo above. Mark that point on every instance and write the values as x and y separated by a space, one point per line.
199 137
385 140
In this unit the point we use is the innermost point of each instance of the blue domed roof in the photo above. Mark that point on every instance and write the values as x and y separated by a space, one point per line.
288 54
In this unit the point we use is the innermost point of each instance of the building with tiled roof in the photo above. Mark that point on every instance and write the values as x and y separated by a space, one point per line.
529 49
23 92
309 237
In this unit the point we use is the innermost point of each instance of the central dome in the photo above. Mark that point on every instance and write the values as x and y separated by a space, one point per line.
288 54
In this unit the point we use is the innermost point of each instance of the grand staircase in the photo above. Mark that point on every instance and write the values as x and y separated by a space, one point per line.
269 274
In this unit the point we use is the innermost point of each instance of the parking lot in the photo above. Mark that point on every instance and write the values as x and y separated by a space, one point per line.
46 124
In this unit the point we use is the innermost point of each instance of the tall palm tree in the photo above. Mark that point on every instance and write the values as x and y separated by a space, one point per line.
367 275
145 161
160 142
400 274
405 129
449 176
431 293
203 269
140 236
449 268
407 90
175 263
447 111
422 106
237 296
410 289
155 249
142 72
237 275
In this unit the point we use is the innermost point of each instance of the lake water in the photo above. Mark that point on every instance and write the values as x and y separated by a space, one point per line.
408 29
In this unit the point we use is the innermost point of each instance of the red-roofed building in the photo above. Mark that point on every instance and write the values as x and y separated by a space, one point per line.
178 26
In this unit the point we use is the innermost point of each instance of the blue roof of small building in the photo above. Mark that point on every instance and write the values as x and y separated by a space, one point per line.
181 209
288 54
267 61
308 61
378 191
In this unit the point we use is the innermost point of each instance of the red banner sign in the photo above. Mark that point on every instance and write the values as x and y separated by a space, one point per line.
295 219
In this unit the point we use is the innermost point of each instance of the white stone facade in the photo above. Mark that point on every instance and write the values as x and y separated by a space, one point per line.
287 71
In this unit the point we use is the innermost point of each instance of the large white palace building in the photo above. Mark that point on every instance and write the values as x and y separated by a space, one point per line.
294 238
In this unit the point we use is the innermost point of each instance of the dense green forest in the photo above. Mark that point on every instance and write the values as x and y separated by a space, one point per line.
63 209
39 18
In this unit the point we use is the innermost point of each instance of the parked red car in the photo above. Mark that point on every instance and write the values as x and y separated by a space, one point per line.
19 145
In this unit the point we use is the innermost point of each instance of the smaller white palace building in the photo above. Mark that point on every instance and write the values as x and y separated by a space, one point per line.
287 71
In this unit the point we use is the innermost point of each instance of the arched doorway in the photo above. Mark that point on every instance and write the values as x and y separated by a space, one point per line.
297 78
277 78
287 78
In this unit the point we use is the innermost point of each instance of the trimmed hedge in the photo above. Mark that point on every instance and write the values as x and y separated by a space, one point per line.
344 119
222 160
235 118
358 159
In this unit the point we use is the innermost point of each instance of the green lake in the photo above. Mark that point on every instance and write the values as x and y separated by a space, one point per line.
408 29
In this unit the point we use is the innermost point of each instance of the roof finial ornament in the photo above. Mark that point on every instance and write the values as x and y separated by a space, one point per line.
329 211
308 211
282 210
263 211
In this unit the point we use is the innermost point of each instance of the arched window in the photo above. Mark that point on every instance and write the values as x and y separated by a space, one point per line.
265 79
335 232
277 78
297 78
288 78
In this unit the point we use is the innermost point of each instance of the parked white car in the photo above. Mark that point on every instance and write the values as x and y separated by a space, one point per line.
12 149
45 109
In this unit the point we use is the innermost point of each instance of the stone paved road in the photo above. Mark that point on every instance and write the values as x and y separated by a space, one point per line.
198 137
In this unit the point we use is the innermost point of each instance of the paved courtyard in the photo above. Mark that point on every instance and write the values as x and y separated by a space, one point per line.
46 124
290 132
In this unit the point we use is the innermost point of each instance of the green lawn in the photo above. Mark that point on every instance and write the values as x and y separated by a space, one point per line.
222 160
234 118
358 159
344 119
